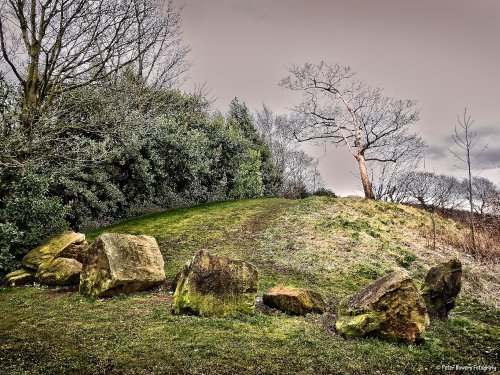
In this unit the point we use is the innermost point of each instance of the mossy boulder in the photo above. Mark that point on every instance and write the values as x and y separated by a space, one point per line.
294 301
23 276
66 245
390 308
216 285
441 287
121 264
59 271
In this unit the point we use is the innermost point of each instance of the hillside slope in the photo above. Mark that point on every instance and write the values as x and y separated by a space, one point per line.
335 246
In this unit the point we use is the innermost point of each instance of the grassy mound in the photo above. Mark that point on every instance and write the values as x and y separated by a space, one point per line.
334 246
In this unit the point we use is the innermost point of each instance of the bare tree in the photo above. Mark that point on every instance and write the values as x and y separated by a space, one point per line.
448 192
420 187
485 194
301 175
53 46
464 140
275 130
391 180
161 58
300 171
431 191
336 108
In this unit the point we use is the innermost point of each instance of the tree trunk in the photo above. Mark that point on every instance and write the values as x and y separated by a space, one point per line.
433 218
365 179
471 203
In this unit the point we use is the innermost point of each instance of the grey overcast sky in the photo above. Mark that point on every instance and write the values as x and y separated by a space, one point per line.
443 53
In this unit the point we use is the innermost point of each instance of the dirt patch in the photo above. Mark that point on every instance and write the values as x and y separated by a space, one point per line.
61 292
162 299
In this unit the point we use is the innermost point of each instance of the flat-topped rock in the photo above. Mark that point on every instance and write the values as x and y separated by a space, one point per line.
294 301
390 308
121 264
67 245
216 285
20 277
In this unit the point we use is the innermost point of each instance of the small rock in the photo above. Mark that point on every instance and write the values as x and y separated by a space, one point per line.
441 287
59 271
20 277
121 264
65 243
294 301
216 285
390 308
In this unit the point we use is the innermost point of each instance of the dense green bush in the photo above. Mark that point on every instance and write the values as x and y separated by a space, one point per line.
122 149
324 192
30 216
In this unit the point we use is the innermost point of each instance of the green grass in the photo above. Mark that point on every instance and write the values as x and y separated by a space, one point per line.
335 246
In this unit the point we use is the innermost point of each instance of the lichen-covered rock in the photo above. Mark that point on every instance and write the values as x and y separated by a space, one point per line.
216 285
441 286
63 245
20 277
121 264
59 271
175 280
390 308
294 301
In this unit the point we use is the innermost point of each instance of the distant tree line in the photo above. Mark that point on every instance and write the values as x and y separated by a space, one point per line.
300 172
443 192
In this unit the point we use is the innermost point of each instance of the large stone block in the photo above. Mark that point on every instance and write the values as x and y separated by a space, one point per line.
121 264
216 285
390 308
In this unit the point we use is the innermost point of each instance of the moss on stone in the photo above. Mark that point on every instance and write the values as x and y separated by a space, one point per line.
294 301
59 271
441 287
216 285
121 264
52 248
390 308
20 277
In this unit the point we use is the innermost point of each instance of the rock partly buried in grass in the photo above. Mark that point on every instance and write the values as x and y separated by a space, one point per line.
294 301
20 277
59 272
121 264
67 245
216 285
441 287
390 308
